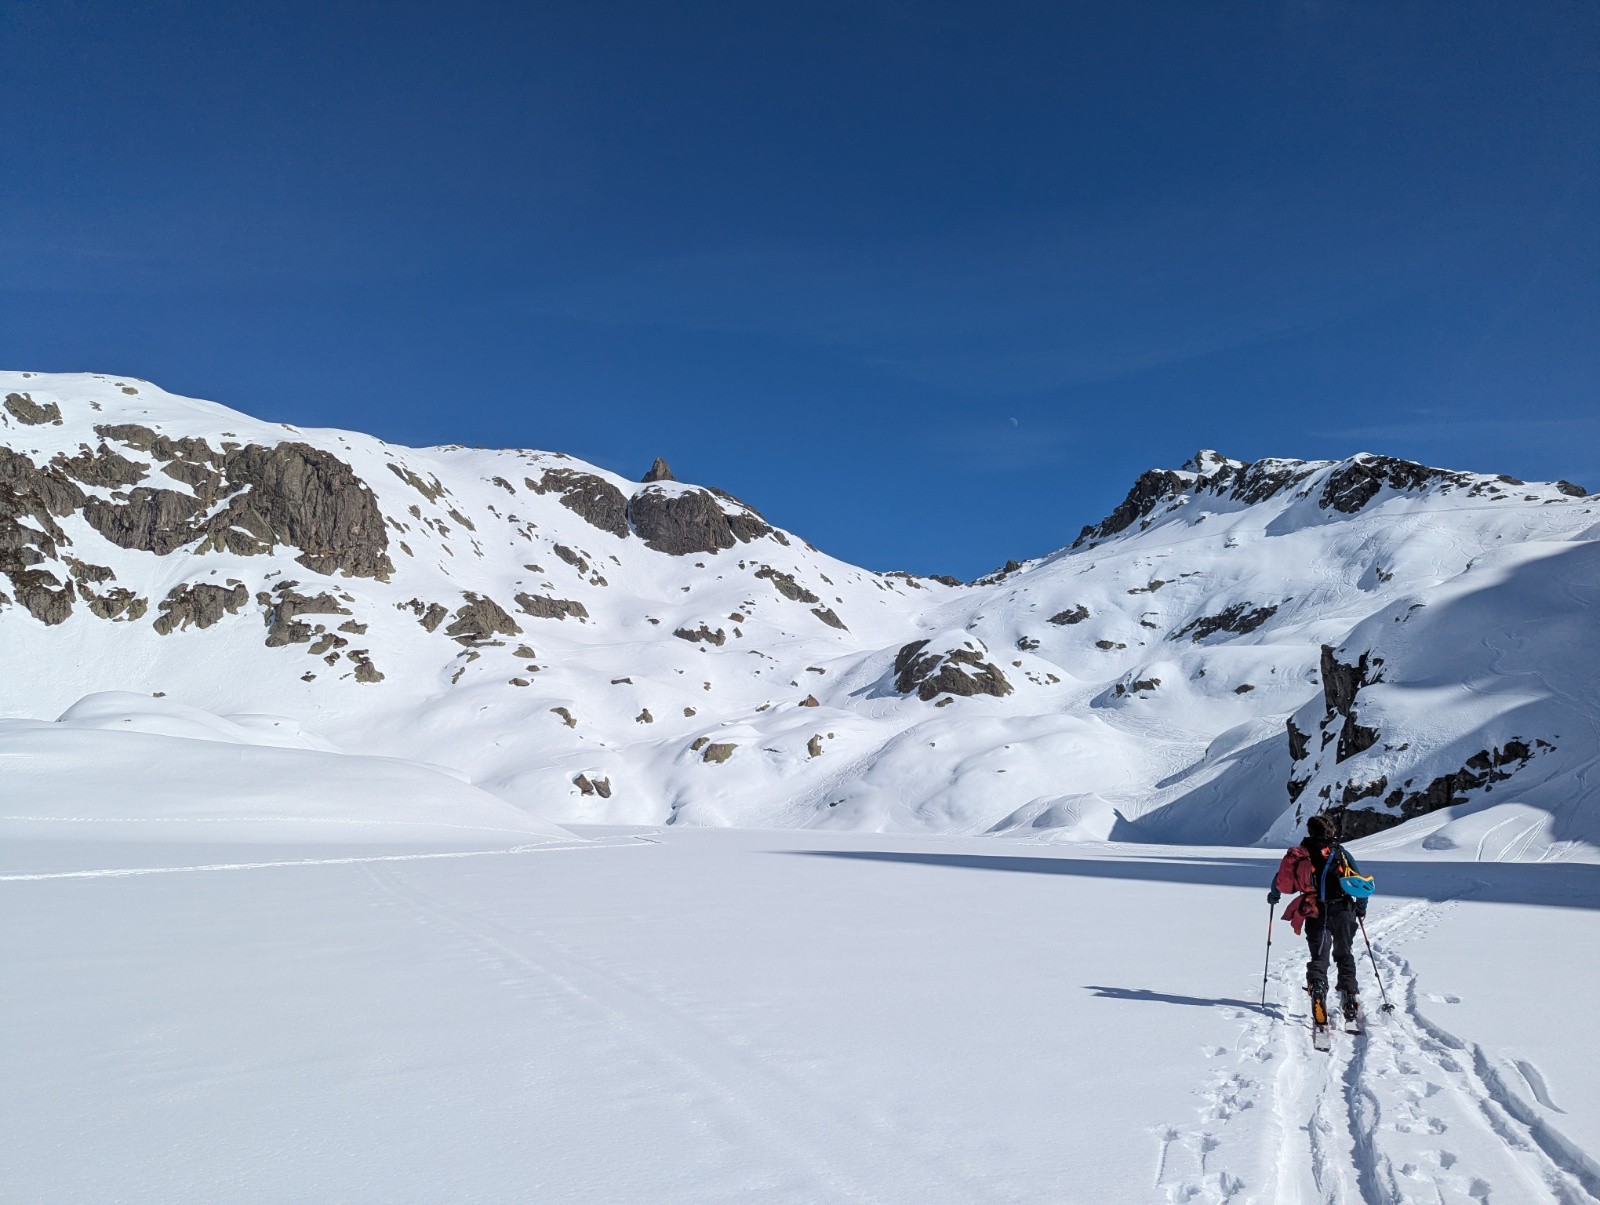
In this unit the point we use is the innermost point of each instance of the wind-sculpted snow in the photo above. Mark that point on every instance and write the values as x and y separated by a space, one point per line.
545 626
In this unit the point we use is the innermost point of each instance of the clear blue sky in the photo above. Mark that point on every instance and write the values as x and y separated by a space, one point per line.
928 283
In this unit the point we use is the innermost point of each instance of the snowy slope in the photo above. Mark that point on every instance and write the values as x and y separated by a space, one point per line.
595 649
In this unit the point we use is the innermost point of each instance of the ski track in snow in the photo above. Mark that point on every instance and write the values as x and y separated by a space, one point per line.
1407 1112
826 1142
124 872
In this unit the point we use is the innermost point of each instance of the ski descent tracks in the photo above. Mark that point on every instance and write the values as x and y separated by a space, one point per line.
1404 1111
751 1101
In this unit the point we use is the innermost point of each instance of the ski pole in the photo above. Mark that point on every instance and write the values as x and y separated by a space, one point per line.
1376 974
1268 963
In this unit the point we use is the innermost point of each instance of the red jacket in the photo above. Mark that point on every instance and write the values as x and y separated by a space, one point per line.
1297 876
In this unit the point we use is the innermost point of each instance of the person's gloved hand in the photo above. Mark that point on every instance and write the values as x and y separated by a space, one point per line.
1274 895
1361 909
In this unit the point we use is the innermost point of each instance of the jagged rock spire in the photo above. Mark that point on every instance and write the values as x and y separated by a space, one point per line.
659 471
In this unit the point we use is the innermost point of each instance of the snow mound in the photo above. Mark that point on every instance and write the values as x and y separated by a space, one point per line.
124 711
119 766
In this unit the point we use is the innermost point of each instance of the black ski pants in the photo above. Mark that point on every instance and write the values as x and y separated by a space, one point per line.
1333 933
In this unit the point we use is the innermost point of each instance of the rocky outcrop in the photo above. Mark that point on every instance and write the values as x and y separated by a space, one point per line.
958 669
1152 487
151 520
702 634
785 585
593 499
479 620
1076 614
541 607
826 614
101 467
593 786
1480 772
27 411
283 608
308 499
119 604
1240 618
659 471
680 522
1358 481
1340 685
429 615
31 498
289 493
717 753
201 604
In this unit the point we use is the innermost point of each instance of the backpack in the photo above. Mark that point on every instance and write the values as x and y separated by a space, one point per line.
1351 882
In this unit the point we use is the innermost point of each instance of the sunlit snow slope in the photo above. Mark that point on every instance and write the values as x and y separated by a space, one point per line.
1235 645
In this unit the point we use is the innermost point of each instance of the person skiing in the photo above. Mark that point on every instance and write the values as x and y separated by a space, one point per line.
1313 871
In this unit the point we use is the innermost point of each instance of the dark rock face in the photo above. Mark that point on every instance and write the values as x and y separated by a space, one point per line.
593 786
42 595
479 620
718 753
25 410
1239 619
429 615
37 495
1357 482
290 493
1482 769
785 585
659 471
1152 487
828 617
431 490
151 520
1340 684
541 607
1570 490
747 526
366 672
313 501
101 467
118 605
958 671
1077 615
199 603
702 634
284 608
1139 687
680 523
1348 488
593 499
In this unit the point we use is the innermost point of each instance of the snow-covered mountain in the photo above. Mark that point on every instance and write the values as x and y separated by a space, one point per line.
1235 645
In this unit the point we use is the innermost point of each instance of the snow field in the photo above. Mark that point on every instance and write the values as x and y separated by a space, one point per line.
710 1015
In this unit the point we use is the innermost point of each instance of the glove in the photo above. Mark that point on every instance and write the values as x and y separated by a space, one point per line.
1361 909
1273 895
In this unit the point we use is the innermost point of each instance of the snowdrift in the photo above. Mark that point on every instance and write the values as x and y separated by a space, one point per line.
117 767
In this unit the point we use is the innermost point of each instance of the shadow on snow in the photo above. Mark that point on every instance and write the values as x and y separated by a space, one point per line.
1561 885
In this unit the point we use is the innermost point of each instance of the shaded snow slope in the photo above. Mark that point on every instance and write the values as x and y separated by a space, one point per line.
590 648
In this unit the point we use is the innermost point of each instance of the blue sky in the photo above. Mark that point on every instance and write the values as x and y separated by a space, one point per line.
927 283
